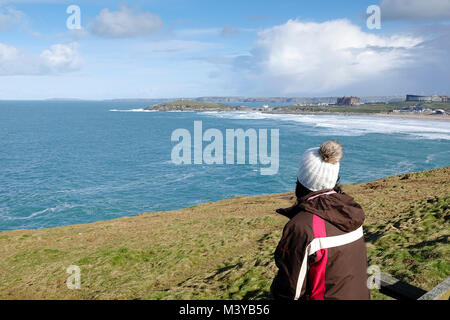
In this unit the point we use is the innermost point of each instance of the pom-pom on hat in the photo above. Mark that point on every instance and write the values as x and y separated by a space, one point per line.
319 167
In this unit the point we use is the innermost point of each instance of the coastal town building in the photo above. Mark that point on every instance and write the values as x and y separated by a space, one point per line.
434 98
265 108
348 101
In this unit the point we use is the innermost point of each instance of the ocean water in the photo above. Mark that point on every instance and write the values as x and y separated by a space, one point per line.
65 163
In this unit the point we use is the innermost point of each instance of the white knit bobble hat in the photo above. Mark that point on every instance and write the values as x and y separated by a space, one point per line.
319 167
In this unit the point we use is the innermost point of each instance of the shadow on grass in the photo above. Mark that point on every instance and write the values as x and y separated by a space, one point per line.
257 295
225 269
441 240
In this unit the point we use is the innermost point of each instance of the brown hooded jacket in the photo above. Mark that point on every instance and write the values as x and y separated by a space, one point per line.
336 272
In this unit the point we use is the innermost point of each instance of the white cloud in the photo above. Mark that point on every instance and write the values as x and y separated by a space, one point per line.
12 60
415 9
9 17
125 23
60 58
314 58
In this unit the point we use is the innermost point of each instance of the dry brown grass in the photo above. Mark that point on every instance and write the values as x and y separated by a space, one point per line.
219 250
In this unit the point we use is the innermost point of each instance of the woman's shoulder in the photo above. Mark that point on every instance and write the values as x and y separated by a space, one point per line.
301 222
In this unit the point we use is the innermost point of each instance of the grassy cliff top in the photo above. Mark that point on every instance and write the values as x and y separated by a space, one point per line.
223 250
191 105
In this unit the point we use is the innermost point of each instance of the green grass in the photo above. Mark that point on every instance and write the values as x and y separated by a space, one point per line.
365 108
414 245
223 250
349 109
193 104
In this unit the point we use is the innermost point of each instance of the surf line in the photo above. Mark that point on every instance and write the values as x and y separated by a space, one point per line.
235 147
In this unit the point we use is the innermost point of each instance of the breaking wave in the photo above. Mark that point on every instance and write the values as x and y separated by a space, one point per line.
353 125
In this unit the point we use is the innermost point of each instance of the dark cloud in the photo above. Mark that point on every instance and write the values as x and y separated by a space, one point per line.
433 10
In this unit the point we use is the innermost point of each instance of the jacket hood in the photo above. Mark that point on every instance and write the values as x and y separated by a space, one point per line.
338 208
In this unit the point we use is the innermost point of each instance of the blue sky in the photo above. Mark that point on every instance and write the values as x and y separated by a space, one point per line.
181 48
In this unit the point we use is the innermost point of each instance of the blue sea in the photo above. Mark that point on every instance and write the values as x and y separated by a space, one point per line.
65 163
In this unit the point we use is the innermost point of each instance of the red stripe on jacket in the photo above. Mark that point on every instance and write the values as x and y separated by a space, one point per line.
316 273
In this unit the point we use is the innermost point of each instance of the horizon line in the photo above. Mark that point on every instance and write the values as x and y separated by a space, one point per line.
203 97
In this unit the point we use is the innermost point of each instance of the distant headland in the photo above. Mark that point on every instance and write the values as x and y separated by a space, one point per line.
199 106
345 105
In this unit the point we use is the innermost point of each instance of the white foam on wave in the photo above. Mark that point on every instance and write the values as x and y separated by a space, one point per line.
433 156
354 125
58 208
